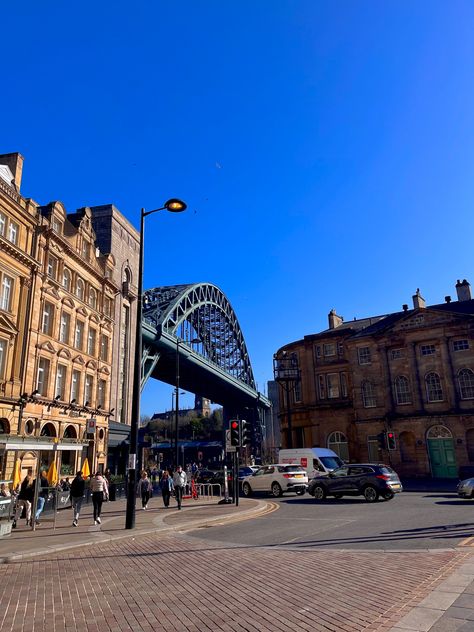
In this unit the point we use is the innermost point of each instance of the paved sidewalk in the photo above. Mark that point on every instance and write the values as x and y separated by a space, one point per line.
24 543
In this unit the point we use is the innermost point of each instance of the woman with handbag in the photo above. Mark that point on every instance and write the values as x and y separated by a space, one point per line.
100 492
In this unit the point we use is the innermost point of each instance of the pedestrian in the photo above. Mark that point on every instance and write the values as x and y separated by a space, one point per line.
144 489
4 491
179 483
100 492
78 487
25 499
42 496
166 485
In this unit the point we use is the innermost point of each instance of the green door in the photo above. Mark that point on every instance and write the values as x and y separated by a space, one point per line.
442 458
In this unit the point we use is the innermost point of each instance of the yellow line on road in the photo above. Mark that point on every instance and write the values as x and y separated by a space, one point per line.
468 541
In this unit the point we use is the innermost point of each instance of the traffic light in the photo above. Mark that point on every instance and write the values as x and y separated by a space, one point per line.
245 433
391 441
234 433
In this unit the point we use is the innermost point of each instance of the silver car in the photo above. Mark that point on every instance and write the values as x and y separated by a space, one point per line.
466 488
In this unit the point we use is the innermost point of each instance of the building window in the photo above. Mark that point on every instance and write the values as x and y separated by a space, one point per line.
427 350
3 223
332 381
364 355
373 448
337 442
65 328
329 349
85 251
80 289
402 390
318 351
368 395
434 392
343 384
92 298
101 393
466 383
322 387
42 377
107 306
52 267
60 381
75 385
13 232
88 390
6 295
79 335
47 320
397 354
57 226
3 357
66 281
91 338
297 391
104 348
460 345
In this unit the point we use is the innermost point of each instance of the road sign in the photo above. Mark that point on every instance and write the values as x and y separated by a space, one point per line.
228 446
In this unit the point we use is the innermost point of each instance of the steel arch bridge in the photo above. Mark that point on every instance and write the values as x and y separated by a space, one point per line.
196 325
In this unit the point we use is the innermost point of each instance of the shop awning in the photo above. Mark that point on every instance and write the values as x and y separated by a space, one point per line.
46 444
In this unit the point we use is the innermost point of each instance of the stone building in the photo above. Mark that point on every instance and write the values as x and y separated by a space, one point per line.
61 358
409 372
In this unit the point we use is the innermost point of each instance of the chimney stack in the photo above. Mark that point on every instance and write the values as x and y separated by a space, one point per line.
463 290
15 164
405 307
447 299
334 319
418 301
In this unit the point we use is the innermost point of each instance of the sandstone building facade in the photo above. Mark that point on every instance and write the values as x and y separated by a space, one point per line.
61 313
410 372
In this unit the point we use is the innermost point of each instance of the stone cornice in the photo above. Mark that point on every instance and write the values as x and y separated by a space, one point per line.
18 254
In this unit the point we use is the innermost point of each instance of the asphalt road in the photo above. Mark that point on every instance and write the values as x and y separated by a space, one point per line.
411 521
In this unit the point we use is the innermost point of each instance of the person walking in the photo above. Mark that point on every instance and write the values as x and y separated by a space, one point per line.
42 496
166 486
25 499
179 483
144 489
78 487
100 492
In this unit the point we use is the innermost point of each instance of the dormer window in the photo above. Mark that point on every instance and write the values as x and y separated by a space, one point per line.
86 249
57 226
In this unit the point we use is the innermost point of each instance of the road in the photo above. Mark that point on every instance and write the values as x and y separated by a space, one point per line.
411 521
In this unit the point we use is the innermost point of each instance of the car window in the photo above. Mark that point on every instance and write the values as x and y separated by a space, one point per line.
331 462
318 466
260 471
387 470
342 471
269 469
356 471
291 468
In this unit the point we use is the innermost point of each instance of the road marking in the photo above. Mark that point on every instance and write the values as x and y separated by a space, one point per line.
467 542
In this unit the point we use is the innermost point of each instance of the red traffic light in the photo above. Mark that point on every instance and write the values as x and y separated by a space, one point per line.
390 435
234 425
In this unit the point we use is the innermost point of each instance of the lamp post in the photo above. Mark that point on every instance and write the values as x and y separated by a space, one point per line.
173 206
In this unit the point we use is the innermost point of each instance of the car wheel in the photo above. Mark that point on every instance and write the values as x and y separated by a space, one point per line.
388 495
370 494
300 492
246 489
338 496
276 490
319 492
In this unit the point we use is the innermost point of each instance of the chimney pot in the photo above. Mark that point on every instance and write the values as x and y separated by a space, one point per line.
405 307
463 290
447 299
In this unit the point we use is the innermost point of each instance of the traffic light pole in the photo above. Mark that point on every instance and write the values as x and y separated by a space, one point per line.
236 477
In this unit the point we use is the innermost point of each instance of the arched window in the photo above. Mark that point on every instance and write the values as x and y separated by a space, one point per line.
434 391
70 433
337 442
66 282
439 432
93 298
407 447
48 430
4 426
368 395
402 390
80 289
466 383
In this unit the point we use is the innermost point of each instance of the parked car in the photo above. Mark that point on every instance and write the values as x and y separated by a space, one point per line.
276 479
370 480
246 470
466 488
204 476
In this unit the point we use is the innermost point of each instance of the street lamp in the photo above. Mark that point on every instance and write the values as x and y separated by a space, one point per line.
173 206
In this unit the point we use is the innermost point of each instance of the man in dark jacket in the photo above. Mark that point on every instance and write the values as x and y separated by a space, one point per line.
78 487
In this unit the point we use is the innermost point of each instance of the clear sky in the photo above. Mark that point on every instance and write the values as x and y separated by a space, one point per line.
325 148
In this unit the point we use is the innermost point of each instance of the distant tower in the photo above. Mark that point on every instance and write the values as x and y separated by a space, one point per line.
202 405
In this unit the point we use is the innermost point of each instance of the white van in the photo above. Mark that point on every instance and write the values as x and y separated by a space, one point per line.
316 461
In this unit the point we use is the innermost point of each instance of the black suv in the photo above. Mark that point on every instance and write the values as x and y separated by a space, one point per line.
370 480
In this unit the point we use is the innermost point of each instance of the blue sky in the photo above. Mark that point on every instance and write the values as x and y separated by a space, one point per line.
325 149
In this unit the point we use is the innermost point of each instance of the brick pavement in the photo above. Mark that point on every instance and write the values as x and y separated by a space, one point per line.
170 581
